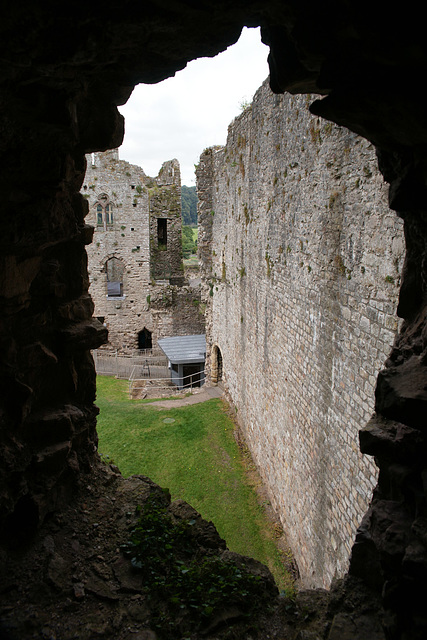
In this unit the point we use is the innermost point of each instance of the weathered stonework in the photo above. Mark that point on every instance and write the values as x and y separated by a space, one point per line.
301 261
62 79
136 250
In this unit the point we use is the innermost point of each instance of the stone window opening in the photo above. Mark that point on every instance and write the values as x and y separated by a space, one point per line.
145 339
99 216
104 212
162 233
115 270
108 214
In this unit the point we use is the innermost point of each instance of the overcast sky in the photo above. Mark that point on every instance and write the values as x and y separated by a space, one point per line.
181 116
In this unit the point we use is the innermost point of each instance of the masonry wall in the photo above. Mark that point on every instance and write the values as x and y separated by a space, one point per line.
154 294
301 261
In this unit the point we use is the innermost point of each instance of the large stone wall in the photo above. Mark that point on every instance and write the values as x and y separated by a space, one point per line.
154 295
301 261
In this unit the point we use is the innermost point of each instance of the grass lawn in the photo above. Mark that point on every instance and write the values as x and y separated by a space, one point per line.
192 451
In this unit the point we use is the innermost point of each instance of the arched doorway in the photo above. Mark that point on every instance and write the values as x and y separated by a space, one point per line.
216 364
145 340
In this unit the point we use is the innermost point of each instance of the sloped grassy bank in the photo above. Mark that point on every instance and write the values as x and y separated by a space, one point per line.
193 452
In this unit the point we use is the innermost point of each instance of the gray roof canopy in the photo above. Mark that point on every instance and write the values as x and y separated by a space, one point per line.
184 349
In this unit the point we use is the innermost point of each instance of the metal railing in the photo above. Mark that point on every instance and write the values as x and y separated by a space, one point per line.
140 385
147 371
122 365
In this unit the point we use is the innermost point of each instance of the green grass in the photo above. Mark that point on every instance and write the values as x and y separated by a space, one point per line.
195 455
192 261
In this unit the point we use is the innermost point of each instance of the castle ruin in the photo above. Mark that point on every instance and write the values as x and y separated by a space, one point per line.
135 260
301 260
62 79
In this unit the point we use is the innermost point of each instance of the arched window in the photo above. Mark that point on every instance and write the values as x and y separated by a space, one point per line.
99 216
145 340
109 214
104 212
114 269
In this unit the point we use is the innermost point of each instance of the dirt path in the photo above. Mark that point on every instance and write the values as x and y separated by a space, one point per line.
199 395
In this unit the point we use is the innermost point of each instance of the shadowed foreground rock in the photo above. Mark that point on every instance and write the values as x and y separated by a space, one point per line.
77 578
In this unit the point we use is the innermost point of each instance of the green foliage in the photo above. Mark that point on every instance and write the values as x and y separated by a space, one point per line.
247 214
189 245
197 457
339 264
186 592
245 104
223 272
189 205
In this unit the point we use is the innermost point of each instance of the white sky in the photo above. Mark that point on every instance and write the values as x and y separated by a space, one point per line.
183 115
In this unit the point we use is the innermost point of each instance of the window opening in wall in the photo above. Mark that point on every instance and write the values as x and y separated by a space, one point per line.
162 232
109 214
145 340
149 108
104 212
115 269
159 228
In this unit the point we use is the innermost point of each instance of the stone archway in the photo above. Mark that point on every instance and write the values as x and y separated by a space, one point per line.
145 339
216 364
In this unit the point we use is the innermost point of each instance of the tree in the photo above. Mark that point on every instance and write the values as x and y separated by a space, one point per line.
189 205
189 246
